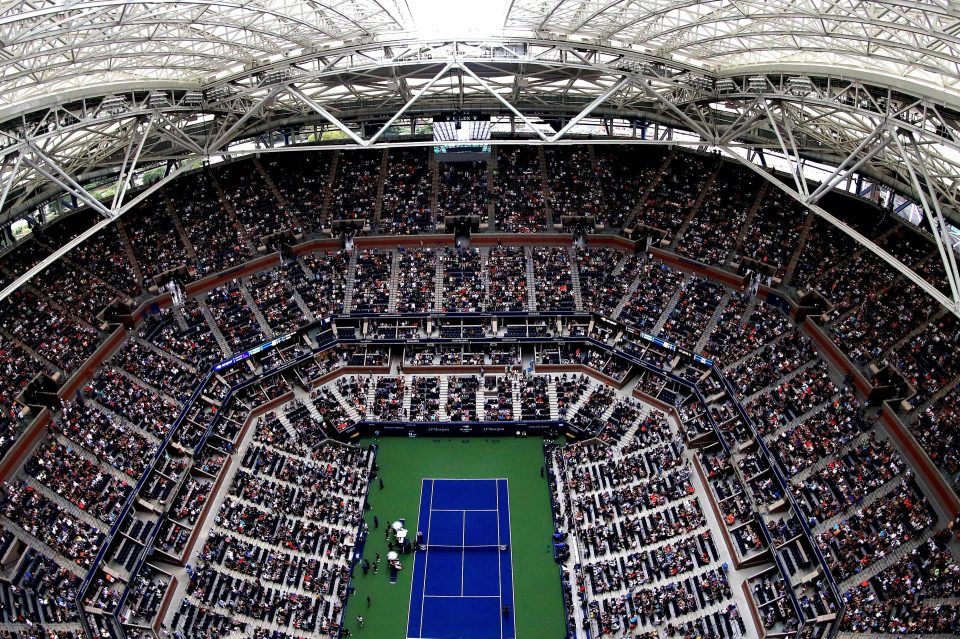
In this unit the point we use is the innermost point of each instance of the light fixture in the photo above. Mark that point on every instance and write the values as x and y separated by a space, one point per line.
800 85
192 99
726 85
113 104
757 84
157 100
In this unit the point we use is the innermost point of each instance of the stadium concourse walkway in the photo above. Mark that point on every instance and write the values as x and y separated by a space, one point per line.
404 463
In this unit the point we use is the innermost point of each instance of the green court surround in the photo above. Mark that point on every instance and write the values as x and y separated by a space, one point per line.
403 463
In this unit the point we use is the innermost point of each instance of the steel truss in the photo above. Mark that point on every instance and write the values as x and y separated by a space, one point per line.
364 90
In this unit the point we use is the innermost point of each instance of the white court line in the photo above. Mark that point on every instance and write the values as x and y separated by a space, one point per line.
426 555
463 552
465 510
513 608
499 570
419 527
462 596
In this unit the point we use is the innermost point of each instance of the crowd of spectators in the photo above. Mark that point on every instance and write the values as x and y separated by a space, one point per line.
233 317
252 201
507 272
876 530
416 276
667 205
355 186
552 279
463 290
625 176
371 282
712 232
324 289
574 187
49 332
215 237
937 428
274 298
774 233
520 202
463 190
46 521
836 464
301 179
153 237
405 209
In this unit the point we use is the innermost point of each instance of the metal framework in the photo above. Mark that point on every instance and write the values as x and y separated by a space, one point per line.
96 89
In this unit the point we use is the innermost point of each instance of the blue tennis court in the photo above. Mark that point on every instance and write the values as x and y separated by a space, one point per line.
464 577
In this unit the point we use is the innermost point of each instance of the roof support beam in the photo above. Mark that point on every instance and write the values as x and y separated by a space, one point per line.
839 174
227 135
931 209
326 115
68 184
705 135
90 232
789 153
126 171
11 179
486 87
861 239
410 102
590 107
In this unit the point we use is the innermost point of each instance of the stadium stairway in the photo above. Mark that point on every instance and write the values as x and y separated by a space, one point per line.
712 323
257 314
181 232
631 289
747 224
545 189
531 280
295 296
347 406
575 278
444 394
481 399
350 281
661 172
212 322
394 281
552 397
801 244
438 280
671 304
435 191
328 189
692 213
128 249
485 276
285 421
595 166
491 190
381 181
179 319
517 404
